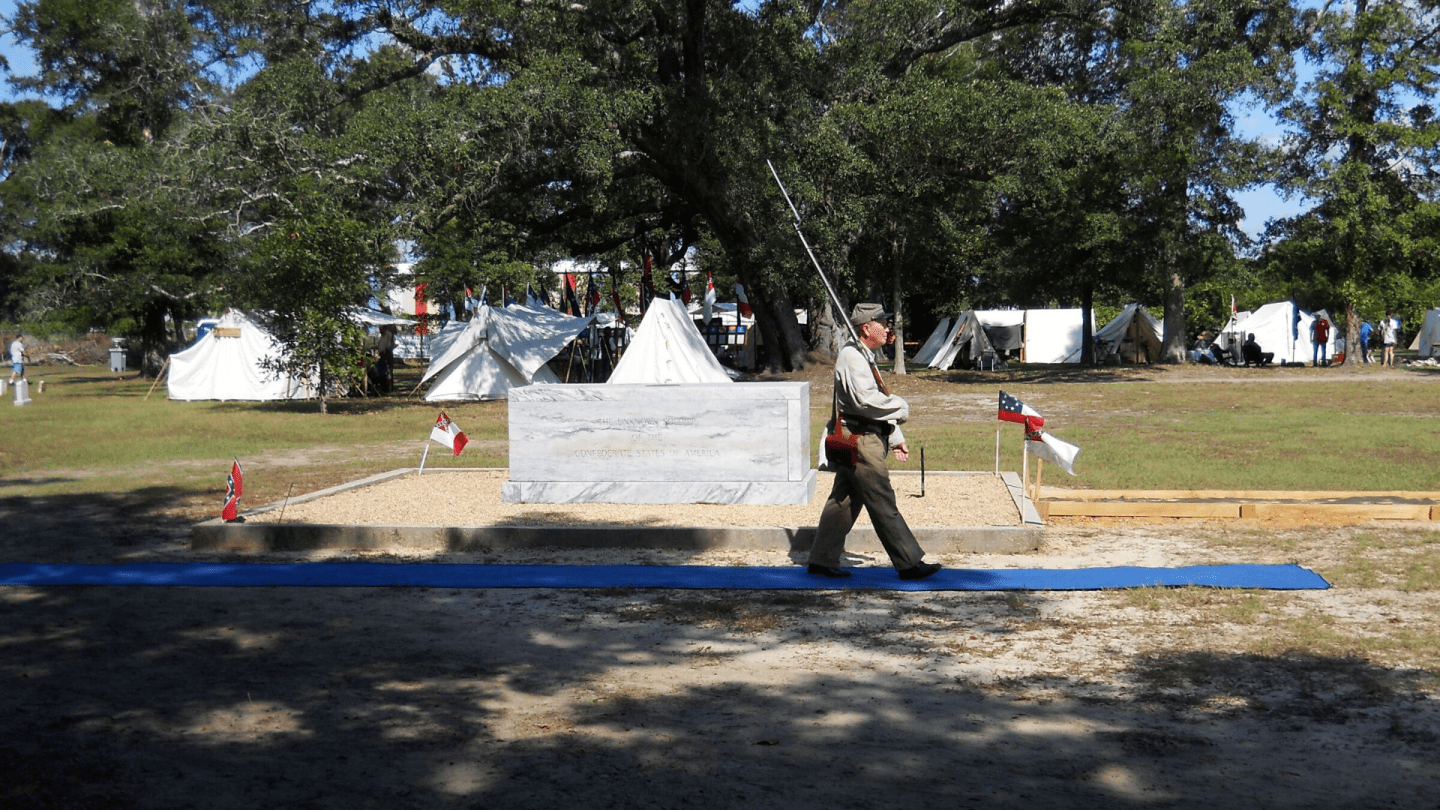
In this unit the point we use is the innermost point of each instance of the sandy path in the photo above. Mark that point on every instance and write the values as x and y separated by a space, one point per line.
474 499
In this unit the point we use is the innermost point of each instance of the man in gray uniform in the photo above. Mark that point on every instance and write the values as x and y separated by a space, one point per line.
875 415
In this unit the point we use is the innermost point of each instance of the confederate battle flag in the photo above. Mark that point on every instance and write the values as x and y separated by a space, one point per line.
448 433
234 486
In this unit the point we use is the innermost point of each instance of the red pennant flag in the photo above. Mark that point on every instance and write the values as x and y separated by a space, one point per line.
234 487
448 433
615 296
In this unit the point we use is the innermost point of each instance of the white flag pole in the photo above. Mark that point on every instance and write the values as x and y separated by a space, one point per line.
1024 471
423 456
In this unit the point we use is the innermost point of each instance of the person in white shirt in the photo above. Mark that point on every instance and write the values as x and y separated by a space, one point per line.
874 415
17 358
1389 335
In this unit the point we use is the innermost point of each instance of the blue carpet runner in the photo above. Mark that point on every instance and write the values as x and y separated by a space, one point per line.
437 575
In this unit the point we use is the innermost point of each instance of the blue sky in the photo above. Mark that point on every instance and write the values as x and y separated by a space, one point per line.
1260 204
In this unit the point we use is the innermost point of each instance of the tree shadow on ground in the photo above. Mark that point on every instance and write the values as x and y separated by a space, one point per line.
1035 374
398 698
95 526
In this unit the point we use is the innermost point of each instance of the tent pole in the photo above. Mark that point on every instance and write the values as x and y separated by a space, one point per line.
1039 471
163 366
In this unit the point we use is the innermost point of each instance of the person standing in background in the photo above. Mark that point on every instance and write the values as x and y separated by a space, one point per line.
17 357
1320 335
1365 330
1389 335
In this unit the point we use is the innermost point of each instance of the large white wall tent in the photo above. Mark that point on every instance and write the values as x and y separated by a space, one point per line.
667 349
229 364
500 349
1050 335
1427 340
1281 327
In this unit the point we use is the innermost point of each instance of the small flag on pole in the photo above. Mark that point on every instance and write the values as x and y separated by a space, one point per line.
1013 410
1042 445
234 488
708 303
448 433
741 302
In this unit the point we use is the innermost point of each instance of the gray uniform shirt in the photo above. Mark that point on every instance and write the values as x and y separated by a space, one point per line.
859 395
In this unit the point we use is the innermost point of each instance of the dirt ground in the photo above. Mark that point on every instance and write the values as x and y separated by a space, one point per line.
156 697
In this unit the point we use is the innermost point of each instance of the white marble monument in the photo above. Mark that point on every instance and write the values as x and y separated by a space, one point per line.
740 443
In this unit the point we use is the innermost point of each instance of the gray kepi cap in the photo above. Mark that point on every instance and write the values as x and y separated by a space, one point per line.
865 313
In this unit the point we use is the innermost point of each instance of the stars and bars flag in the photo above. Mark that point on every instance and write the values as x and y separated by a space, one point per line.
1042 445
448 433
1013 410
234 488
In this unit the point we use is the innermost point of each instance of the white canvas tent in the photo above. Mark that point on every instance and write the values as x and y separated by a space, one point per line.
500 349
667 349
1281 327
965 331
932 345
228 364
1134 336
1050 335
1427 340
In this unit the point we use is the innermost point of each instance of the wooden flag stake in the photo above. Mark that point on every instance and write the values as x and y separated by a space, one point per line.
423 456
286 503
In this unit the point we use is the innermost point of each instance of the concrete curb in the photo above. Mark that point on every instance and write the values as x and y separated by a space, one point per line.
217 535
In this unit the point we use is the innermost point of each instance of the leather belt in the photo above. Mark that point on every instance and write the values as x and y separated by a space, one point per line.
861 424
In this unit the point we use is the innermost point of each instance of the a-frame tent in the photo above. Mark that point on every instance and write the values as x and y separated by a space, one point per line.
932 345
1134 332
1427 340
967 331
230 364
667 349
501 349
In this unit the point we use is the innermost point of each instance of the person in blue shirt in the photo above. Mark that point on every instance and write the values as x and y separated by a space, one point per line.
1365 330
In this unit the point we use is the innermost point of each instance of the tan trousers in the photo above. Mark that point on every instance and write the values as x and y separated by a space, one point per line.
867 484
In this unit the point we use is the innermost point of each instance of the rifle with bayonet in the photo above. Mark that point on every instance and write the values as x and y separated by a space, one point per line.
834 297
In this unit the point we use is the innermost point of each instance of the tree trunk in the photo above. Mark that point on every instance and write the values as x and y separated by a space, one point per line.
1087 325
1353 352
152 340
1173 350
897 247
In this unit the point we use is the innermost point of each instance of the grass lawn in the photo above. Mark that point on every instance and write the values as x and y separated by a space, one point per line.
93 431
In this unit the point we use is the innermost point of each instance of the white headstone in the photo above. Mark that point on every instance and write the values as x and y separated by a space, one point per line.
733 443
22 392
